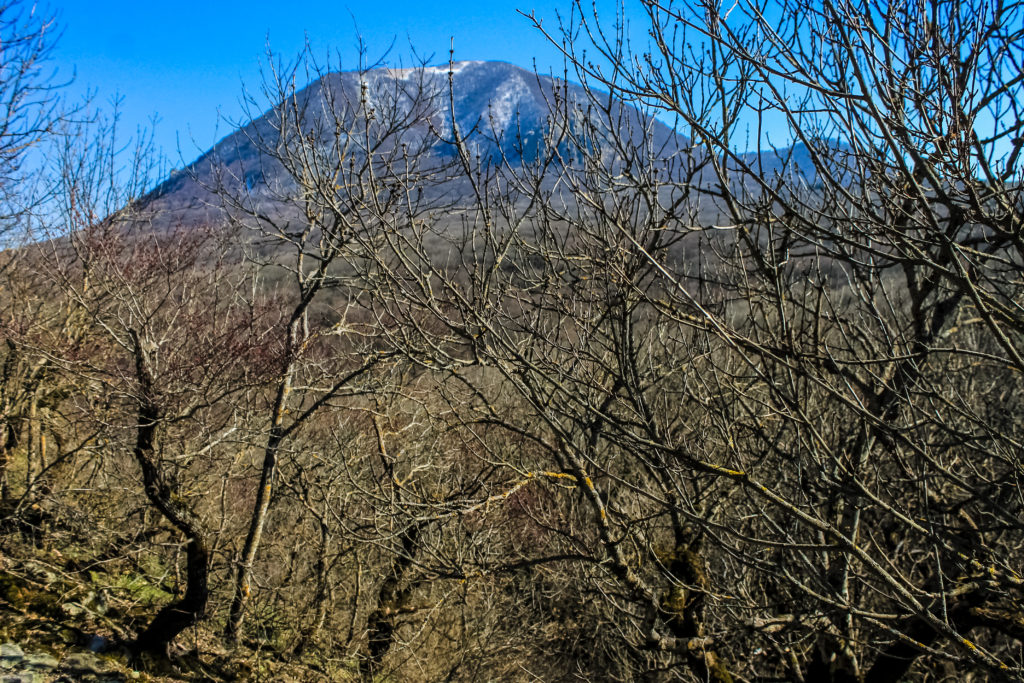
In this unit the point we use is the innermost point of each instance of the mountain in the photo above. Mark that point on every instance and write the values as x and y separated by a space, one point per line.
799 164
501 111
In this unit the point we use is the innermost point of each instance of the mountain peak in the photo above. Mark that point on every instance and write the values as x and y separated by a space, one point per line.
440 69
502 110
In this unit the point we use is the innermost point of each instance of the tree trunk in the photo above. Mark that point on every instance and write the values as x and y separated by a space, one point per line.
322 598
259 515
7 440
391 599
686 609
7 436
178 616
278 433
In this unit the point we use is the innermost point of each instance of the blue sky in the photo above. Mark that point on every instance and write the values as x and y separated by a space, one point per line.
185 62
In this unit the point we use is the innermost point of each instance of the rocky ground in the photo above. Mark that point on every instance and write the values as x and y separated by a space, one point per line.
64 616
73 666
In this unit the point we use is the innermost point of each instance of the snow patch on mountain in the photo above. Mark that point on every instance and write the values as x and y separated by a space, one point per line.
505 102
443 70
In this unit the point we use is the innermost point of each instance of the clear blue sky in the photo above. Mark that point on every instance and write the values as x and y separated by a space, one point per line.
186 61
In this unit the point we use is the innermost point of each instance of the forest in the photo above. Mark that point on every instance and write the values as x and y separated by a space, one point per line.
393 398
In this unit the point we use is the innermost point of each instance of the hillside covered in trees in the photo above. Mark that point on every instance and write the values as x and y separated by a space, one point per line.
462 373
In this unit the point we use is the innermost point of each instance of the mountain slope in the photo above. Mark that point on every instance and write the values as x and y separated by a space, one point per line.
500 111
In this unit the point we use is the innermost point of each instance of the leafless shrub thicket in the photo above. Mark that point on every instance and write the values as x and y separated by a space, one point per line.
780 423
638 408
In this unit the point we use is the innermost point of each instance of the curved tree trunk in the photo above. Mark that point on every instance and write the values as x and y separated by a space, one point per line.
178 616
323 598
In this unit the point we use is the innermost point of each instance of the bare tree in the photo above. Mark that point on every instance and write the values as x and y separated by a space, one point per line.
29 106
730 403
169 344
767 373
29 102
866 290
348 155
